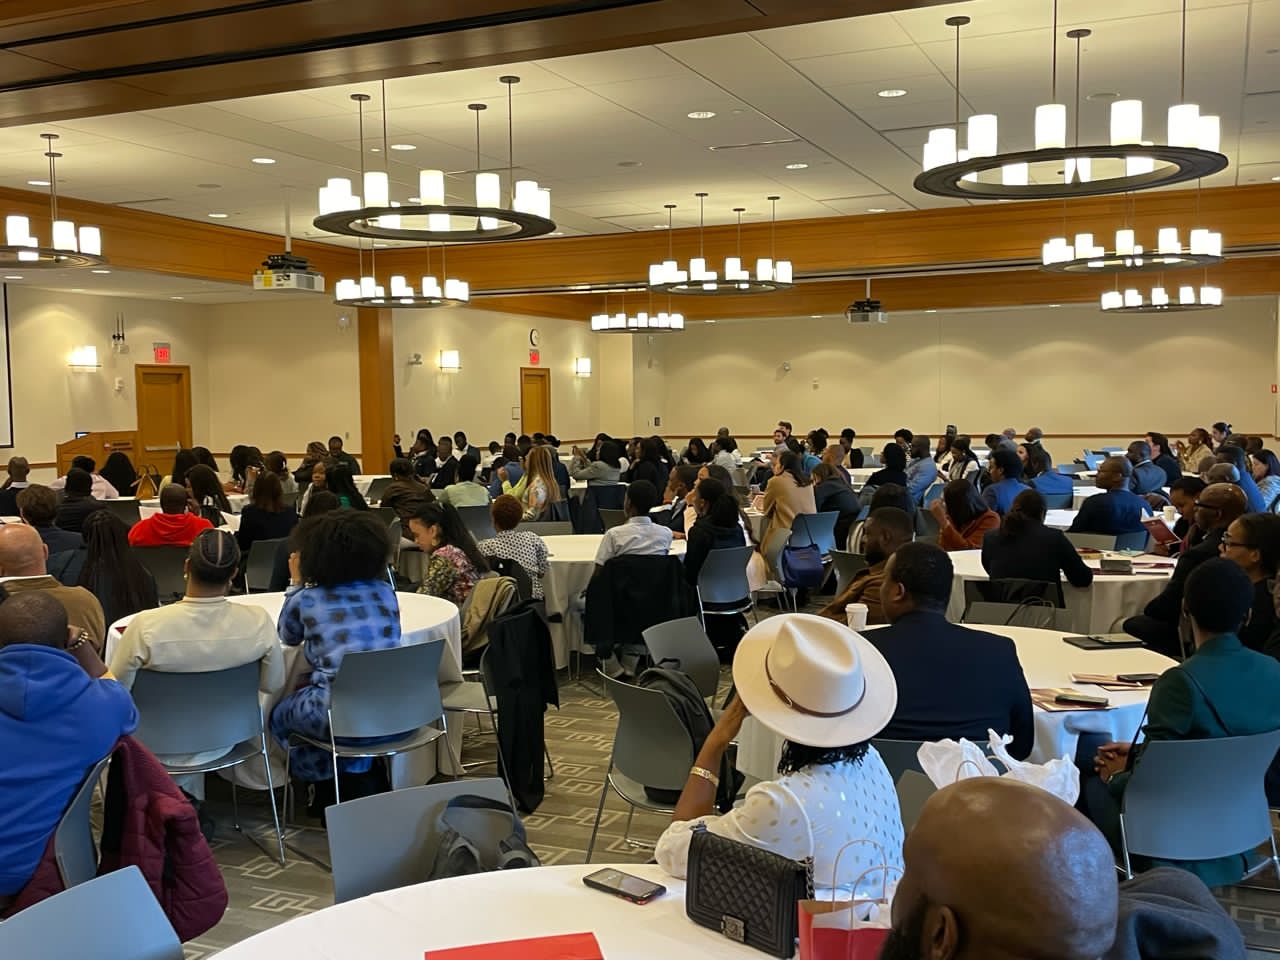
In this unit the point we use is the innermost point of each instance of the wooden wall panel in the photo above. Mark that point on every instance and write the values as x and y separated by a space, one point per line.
377 389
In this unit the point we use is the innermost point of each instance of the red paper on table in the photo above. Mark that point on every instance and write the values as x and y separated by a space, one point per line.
568 946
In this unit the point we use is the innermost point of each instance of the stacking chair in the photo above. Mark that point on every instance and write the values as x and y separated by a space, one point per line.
651 748
381 694
847 566
127 510
1093 541
1058 501
548 528
899 756
932 494
166 565
261 562
612 518
1014 590
772 550
683 645
389 840
818 529
386 514
190 713
1070 468
1132 541
73 846
112 917
478 521
914 790
1198 800
723 580
608 496
927 527
1040 615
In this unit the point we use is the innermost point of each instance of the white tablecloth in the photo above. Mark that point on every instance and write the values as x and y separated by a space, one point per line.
1098 608
1080 494
1046 662
572 561
423 619
1062 519
495 907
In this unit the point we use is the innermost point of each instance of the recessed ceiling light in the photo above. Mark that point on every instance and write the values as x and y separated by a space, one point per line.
375 149
403 146
815 316
875 209
797 166
1052 305
208 186
177 298
891 93
77 289
415 199
630 163
708 321
13 276
1103 95
931 311
265 161
219 216
701 114
99 271
37 183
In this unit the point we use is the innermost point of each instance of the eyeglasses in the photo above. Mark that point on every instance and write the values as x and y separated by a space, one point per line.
1228 543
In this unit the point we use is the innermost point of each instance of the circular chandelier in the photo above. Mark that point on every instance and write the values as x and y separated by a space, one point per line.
1205 297
771 275
642 322
428 217
1084 256
367 292
68 247
979 171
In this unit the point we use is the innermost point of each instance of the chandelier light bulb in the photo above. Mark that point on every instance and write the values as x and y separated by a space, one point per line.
1132 298
1210 134
377 189
1125 243
1167 240
1126 122
1186 295
1159 297
1184 125
1211 295
981 136
431 187
1015 174
1112 300
16 230
1051 126
64 235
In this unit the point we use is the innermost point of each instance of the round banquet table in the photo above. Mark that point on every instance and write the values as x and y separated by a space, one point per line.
1080 494
1060 519
237 501
149 508
364 481
423 619
1046 662
404 924
1098 608
571 562
858 476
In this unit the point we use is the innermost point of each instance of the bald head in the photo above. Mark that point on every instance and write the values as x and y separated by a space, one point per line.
22 552
33 617
1219 505
173 498
1001 869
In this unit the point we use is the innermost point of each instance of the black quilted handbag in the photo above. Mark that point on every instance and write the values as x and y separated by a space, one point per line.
748 894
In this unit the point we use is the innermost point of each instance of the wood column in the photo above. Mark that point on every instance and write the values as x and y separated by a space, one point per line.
377 389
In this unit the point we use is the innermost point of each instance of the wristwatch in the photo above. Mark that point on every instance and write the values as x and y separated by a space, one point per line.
79 641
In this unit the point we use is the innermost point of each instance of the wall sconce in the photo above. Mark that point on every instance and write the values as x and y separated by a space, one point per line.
450 362
84 359
582 366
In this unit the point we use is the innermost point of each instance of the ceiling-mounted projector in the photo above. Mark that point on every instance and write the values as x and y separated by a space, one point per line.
287 271
866 311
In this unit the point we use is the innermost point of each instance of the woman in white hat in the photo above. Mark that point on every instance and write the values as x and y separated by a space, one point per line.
827 692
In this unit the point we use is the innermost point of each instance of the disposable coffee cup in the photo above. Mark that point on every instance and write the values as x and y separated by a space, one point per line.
1170 514
856 615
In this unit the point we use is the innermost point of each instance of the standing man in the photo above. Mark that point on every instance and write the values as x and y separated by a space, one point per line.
338 455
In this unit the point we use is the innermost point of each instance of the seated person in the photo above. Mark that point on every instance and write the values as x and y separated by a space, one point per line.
1220 505
1235 455
1034 438
994 840
1182 495
1252 542
1147 477
557 465
107 568
1117 509
893 459
101 488
831 784
405 494
1006 480
1222 690
338 480
265 516
718 527
1025 549
1163 457
680 483
77 501
1266 474
172 526
952 682
23 567
444 470
465 491
18 470
921 469
886 529
320 503
59 715
606 468
38 505
204 631
964 519
454 564
523 546
1041 475
639 535
835 456
832 493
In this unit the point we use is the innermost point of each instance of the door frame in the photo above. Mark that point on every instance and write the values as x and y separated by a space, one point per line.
545 373
139 371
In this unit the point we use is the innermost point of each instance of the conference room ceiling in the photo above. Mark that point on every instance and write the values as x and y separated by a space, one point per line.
144 285
609 132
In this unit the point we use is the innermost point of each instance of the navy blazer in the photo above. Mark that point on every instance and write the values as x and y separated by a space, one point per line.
1113 512
954 682
1147 478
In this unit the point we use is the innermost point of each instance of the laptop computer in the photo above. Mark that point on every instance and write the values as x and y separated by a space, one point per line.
1091 460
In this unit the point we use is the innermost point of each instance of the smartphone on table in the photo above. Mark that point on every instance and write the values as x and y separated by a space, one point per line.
624 885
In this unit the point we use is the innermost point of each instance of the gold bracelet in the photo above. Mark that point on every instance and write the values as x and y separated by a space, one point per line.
78 642
705 774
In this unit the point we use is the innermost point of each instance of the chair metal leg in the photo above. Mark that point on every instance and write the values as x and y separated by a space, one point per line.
235 808
454 759
271 795
626 834
604 790
551 767
333 753
1124 849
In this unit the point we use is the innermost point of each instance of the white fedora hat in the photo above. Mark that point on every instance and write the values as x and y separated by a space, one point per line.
814 681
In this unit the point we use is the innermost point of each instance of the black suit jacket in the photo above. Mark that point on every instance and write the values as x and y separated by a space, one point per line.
1168 605
954 682
1037 554
1169 464
72 511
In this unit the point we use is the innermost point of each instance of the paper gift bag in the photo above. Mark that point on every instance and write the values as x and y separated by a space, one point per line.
831 930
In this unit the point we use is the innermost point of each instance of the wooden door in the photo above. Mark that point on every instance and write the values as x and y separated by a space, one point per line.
535 400
164 412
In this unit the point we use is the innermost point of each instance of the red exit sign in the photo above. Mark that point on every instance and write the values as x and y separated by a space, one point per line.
534 358
161 352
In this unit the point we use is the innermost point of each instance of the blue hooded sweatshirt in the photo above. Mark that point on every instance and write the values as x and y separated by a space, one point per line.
56 722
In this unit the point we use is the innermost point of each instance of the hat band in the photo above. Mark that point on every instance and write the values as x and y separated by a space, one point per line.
800 708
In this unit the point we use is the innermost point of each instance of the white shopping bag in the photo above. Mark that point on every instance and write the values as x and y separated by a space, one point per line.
947 761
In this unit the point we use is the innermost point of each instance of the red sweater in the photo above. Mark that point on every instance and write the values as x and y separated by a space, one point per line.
167 530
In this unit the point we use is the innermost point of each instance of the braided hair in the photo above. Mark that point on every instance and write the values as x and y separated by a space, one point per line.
213 558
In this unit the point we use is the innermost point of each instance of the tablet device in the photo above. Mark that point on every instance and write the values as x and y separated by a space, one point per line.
1103 641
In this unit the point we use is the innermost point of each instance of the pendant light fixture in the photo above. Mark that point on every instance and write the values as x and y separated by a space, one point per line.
1082 255
980 172
770 276
645 321
68 246
1162 300
429 217
398 293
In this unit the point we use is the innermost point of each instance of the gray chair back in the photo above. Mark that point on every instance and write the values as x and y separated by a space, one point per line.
1092 541
389 840
723 577
1058 501
166 565
182 713
478 521
126 510
815 528
1017 615
651 745
112 917
380 693
1014 590
1198 799
612 518
258 568
927 527
73 847
898 755
932 494
914 791
772 550
1132 541
550 528
385 514
683 645
847 565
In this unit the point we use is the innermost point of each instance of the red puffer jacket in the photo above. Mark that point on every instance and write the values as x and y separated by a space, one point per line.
148 823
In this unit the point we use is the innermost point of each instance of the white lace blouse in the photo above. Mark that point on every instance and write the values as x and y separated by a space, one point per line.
842 801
